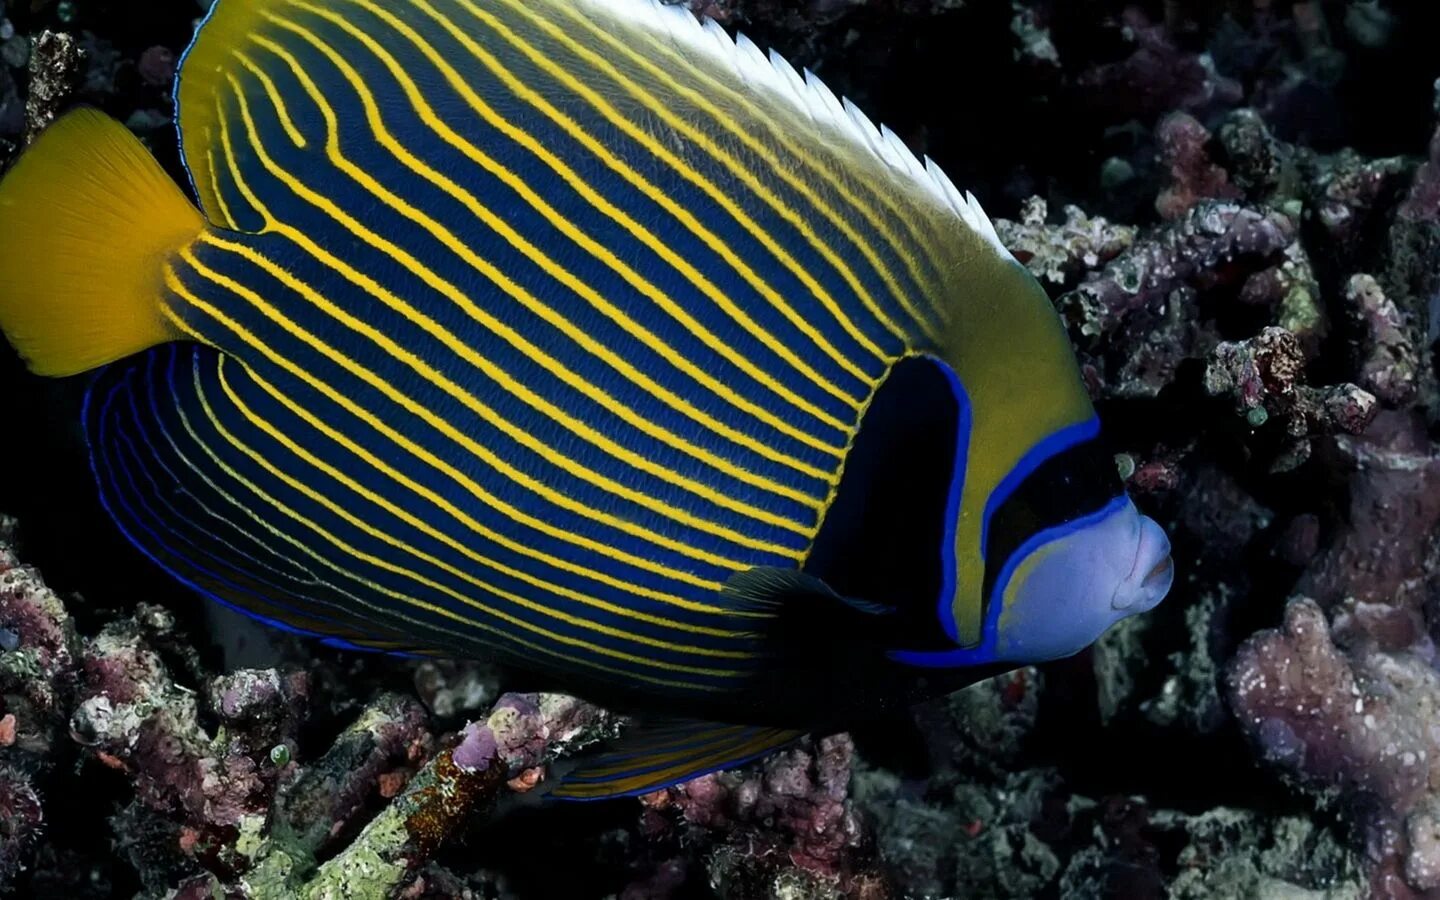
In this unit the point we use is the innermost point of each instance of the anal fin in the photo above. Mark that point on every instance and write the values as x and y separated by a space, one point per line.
659 755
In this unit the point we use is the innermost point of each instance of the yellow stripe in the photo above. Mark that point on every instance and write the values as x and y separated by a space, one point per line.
227 219
438 422
178 487
383 614
713 293
237 579
764 741
276 99
690 174
567 327
473 488
248 514
759 189
782 168
475 526
427 114
171 511
465 637
711 740
416 523
377 534
658 742
114 461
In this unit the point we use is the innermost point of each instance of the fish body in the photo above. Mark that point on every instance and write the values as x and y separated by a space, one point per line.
578 336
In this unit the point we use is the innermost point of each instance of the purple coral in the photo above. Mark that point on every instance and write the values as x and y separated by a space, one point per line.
1390 366
1185 155
788 822
1157 76
1300 697
1356 720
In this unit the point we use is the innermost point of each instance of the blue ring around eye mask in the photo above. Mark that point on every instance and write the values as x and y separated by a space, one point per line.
985 652
1058 442
945 608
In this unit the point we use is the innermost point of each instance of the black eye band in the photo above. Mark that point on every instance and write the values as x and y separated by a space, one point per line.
885 535
1077 481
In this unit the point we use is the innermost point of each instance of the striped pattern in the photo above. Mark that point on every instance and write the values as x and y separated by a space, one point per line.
535 328
193 463
663 756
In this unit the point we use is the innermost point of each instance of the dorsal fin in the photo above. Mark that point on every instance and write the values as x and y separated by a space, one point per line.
646 25
808 94
195 76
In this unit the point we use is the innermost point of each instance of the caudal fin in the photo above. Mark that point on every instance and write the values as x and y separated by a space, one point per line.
87 218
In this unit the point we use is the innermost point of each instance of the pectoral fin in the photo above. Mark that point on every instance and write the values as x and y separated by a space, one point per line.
777 590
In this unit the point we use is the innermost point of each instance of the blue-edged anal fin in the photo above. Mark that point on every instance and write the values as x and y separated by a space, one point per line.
660 754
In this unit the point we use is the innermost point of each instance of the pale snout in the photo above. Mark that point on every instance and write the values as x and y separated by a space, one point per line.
1151 575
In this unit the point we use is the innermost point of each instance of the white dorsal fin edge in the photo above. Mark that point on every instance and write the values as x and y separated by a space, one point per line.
705 37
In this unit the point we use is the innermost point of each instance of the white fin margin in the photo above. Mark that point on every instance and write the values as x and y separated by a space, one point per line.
706 37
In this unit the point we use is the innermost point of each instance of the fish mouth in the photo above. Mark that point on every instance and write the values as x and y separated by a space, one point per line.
1163 570
1152 570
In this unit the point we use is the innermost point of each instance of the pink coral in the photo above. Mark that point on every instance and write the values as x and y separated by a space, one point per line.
1350 701
1359 720
791 819
1193 175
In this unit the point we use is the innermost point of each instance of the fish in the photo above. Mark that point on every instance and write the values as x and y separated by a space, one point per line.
580 336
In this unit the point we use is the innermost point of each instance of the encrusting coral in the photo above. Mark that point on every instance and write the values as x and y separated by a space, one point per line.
235 800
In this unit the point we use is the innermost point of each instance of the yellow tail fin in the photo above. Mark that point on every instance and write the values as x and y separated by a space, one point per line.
87 218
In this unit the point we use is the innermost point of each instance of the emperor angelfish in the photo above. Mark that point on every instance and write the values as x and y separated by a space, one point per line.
576 335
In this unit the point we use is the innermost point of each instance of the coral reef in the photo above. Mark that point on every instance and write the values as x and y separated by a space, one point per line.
234 808
1236 208
782 830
